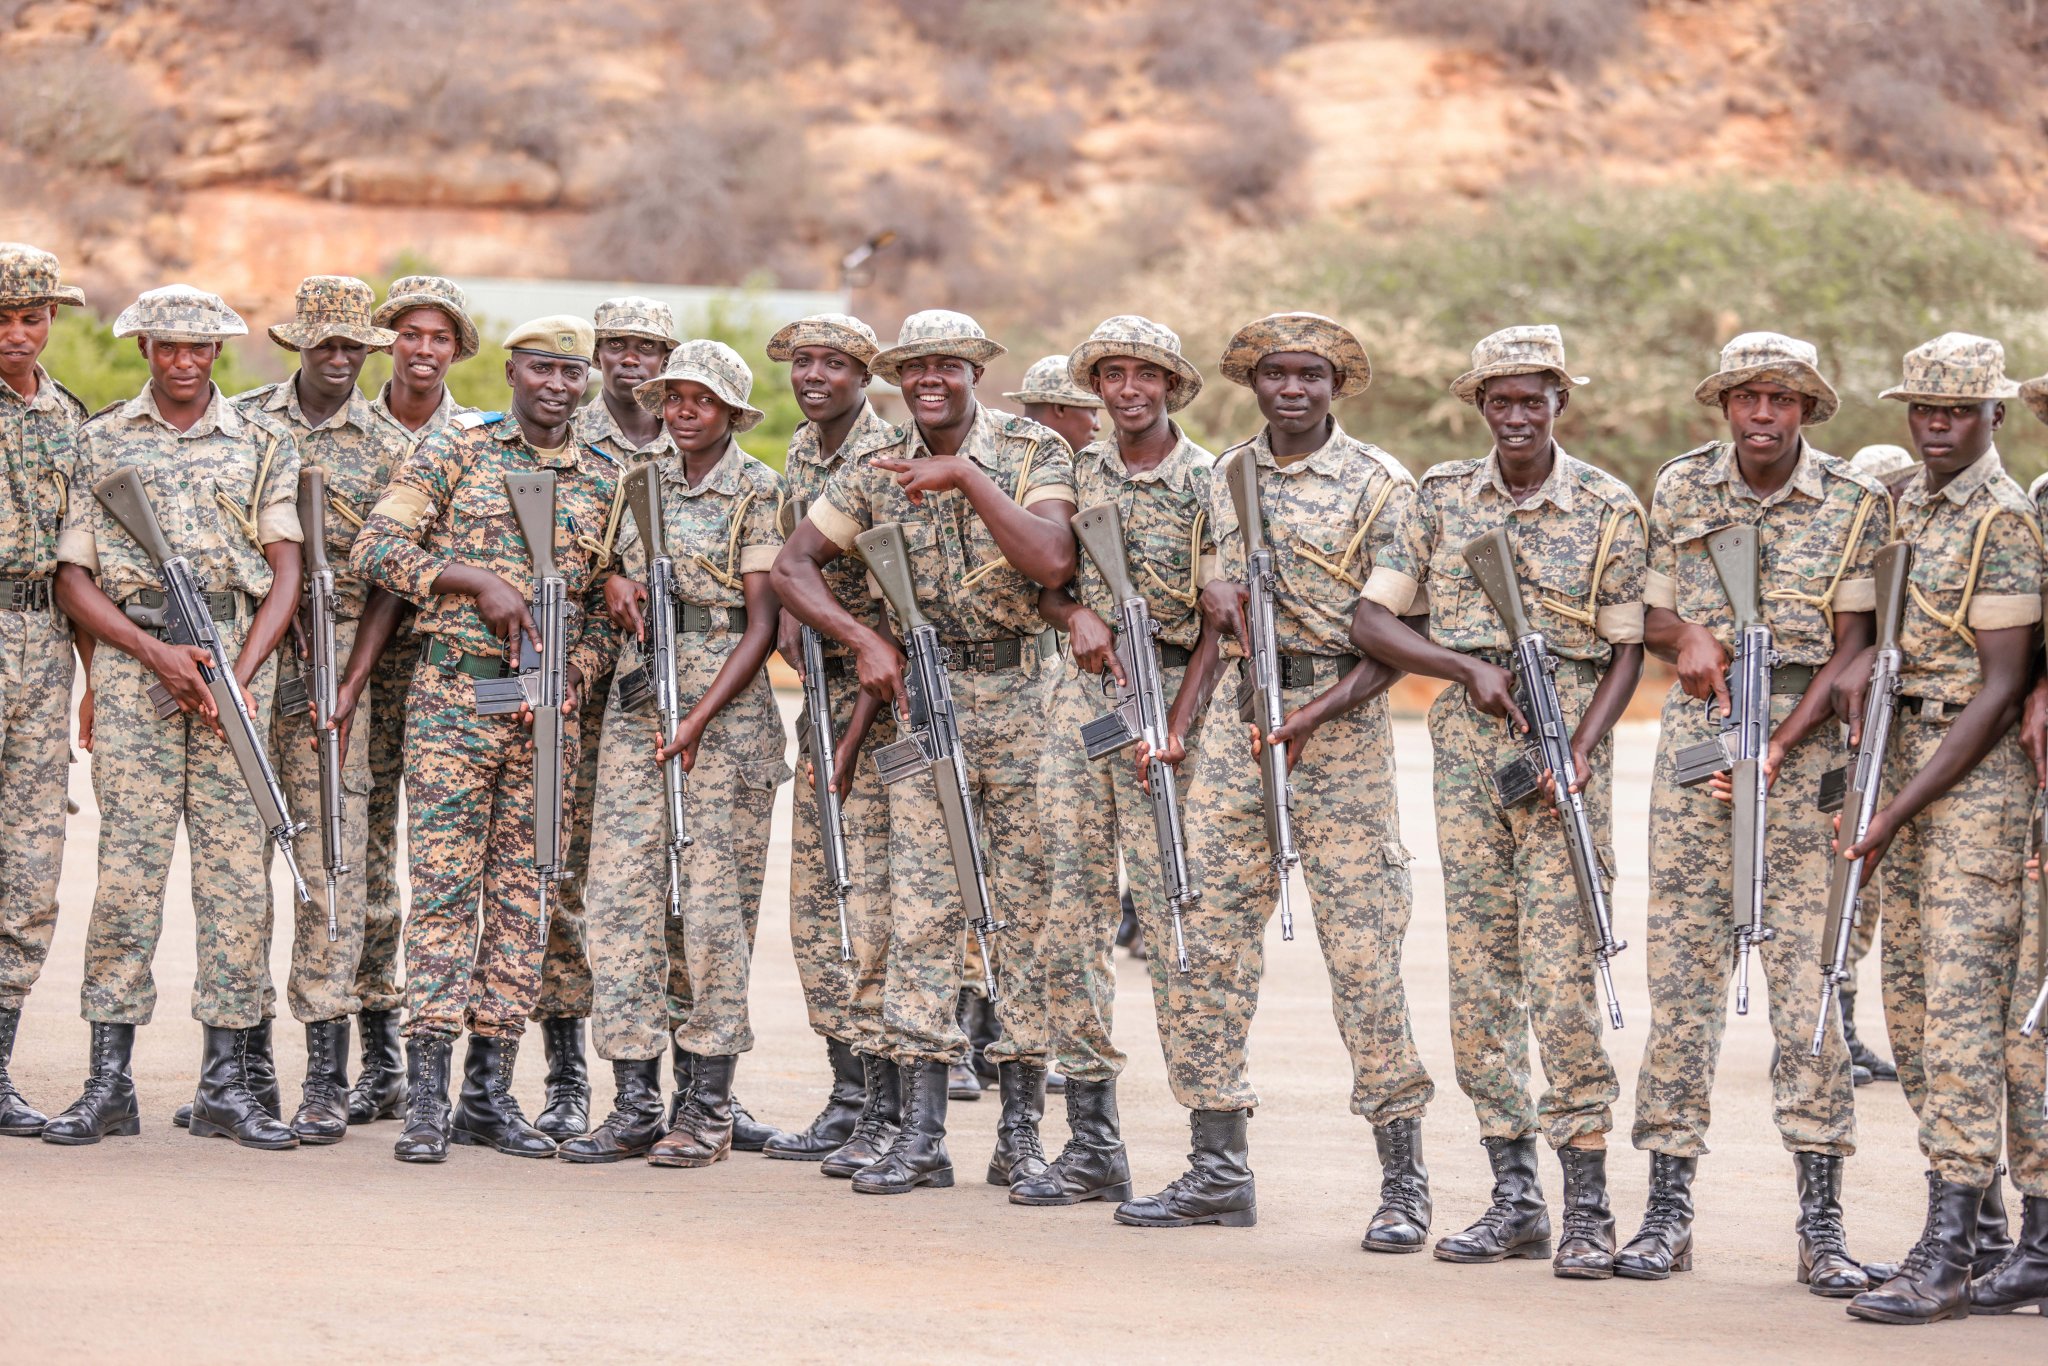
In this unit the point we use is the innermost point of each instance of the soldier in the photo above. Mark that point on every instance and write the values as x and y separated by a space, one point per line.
1052 397
984 499
1521 949
1953 835
430 318
1329 502
828 355
1819 524
224 485
634 338
39 421
719 512
444 536
1159 481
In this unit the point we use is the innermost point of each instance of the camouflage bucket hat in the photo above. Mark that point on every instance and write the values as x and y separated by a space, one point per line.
1955 370
2035 394
840 331
332 306
1127 334
180 313
935 332
635 315
1777 358
1046 382
28 277
718 368
1516 351
1311 333
431 291
1881 460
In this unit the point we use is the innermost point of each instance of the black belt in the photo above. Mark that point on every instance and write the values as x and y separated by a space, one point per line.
1930 708
692 619
1582 669
1299 671
990 656
150 602
439 652
24 595
1792 680
1174 656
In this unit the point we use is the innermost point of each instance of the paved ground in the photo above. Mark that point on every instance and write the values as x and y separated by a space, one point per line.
164 1247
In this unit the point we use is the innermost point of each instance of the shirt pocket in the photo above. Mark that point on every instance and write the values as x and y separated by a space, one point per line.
1458 610
1562 597
1698 588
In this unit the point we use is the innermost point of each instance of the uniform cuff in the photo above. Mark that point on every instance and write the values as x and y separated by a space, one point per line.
1660 591
279 522
1048 493
837 527
77 546
1391 589
1621 624
1856 595
1996 611
1208 569
758 559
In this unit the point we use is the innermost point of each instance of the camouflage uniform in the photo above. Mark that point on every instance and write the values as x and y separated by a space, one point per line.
973 597
377 982
358 452
1520 944
38 444
222 490
844 999
469 778
1327 514
718 532
1954 879
1097 807
1819 534
2026 1059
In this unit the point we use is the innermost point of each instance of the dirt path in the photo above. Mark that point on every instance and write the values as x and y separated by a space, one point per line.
168 1248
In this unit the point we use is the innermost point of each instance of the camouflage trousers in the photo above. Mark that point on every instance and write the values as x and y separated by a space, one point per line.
474 939
1955 879
1093 809
1348 832
377 979
565 967
655 974
1691 948
148 776
2026 1063
36 668
323 977
1521 946
1002 731
844 998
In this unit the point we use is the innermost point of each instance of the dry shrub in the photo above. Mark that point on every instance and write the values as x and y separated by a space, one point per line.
939 246
999 30
1247 162
819 30
1220 47
1570 36
78 108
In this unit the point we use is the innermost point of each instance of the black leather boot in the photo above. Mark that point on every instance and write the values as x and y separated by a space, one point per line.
1825 1266
379 1092
486 1115
880 1118
1094 1164
1933 1283
2022 1278
1019 1155
1216 1188
1860 1056
261 1064
1663 1244
1994 1228
1585 1250
567 1111
426 1104
963 1078
678 1098
106 1109
834 1124
18 1119
983 1029
749 1135
226 1104
918 1157
634 1123
1517 1223
323 1103
1402 1221
702 1132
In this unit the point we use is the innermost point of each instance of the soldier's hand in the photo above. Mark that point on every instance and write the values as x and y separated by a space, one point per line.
85 709
845 755
789 642
1848 691
1582 773
2034 730
623 600
345 700
880 666
682 744
1876 840
1722 784
1703 667
506 614
178 666
1223 604
1491 689
1293 733
1171 751
1094 645
926 474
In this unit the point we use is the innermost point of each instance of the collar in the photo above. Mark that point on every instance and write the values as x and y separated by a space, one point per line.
284 398
443 413
46 393
1960 489
1806 475
724 478
865 431
1172 471
220 415
1556 488
1326 460
601 426
508 430
980 446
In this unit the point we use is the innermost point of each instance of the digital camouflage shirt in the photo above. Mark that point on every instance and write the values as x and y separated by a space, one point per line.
964 585
1169 541
807 469
448 504
39 442
1580 554
380 408
222 491
1818 537
1327 515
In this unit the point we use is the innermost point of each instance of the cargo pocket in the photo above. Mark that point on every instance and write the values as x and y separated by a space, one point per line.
1997 865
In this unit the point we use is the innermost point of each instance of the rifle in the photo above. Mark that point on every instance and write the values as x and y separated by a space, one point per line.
1856 796
931 739
320 680
186 621
1260 702
543 676
2040 1006
653 683
824 764
1548 748
1744 733
1140 710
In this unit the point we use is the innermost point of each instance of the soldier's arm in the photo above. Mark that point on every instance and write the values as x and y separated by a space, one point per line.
1854 632
1367 680
737 673
274 613
379 623
1089 636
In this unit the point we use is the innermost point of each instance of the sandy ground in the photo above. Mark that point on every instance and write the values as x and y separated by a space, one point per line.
164 1247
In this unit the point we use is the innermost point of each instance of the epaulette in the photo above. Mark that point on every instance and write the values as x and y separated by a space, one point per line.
1708 449
1448 469
76 401
94 417
469 422
1842 469
1605 485
2034 489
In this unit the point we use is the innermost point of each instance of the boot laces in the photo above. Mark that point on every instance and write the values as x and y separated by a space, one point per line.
1025 1141
1663 1213
1824 1233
